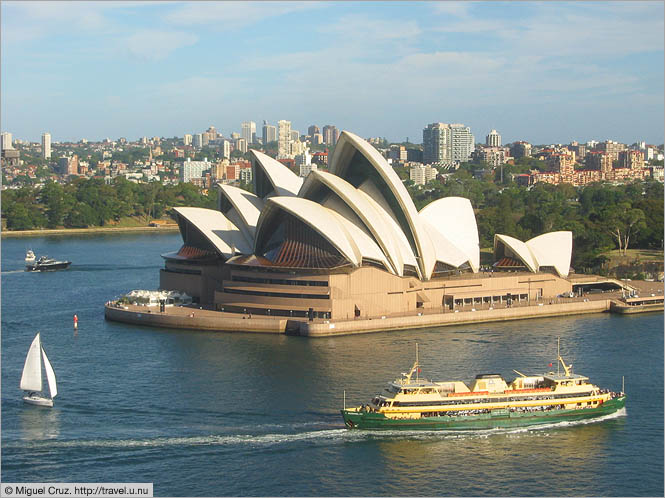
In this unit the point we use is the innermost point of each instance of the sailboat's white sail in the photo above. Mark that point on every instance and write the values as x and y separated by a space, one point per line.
50 375
31 380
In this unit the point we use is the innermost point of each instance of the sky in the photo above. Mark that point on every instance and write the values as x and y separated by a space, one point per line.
544 72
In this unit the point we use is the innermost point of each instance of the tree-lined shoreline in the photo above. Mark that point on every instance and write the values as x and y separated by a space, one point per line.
602 217
82 231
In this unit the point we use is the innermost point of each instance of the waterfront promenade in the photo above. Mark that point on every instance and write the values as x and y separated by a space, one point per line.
199 318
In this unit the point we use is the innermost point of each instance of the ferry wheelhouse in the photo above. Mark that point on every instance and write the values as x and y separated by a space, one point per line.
490 402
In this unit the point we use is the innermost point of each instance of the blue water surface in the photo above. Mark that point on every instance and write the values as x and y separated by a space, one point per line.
215 414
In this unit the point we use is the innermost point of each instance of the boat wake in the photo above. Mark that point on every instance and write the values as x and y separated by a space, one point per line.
322 436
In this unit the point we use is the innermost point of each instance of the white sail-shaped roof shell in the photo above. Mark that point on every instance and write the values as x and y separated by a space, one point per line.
282 179
223 234
245 211
445 251
553 249
350 240
518 248
384 230
346 146
453 218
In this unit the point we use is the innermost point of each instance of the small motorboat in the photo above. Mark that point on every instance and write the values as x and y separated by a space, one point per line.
47 264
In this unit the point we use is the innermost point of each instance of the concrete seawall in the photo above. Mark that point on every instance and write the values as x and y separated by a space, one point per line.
313 329
193 319
200 321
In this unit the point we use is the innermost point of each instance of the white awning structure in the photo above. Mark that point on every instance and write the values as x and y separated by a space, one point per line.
356 161
453 219
272 178
225 237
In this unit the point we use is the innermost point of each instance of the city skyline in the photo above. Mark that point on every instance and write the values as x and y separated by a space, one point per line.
540 72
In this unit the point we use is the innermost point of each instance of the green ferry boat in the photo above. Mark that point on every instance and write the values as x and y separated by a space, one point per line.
414 403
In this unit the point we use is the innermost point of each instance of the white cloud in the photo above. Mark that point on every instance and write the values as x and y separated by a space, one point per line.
151 44
229 15
456 9
565 29
351 28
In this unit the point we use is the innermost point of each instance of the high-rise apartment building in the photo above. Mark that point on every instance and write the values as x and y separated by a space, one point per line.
330 134
226 149
46 145
436 144
612 148
193 169
398 153
295 135
633 159
69 165
447 143
248 131
187 139
463 143
197 140
313 130
520 149
421 174
6 140
493 139
241 145
269 133
283 138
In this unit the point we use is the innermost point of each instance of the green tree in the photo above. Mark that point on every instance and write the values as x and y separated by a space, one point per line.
622 222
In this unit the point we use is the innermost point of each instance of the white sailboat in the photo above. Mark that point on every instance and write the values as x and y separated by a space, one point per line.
31 380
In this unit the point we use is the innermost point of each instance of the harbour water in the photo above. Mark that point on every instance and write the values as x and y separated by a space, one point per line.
215 414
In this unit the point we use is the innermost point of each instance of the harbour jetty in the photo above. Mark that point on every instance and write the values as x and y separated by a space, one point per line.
194 317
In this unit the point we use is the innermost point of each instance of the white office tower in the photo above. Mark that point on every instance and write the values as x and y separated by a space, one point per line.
269 133
283 138
197 140
187 139
227 149
46 145
493 139
248 131
6 140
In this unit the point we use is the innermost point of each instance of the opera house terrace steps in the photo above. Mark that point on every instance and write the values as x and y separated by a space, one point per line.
194 318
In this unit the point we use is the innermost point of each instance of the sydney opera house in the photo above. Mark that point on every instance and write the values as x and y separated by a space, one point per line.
350 243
